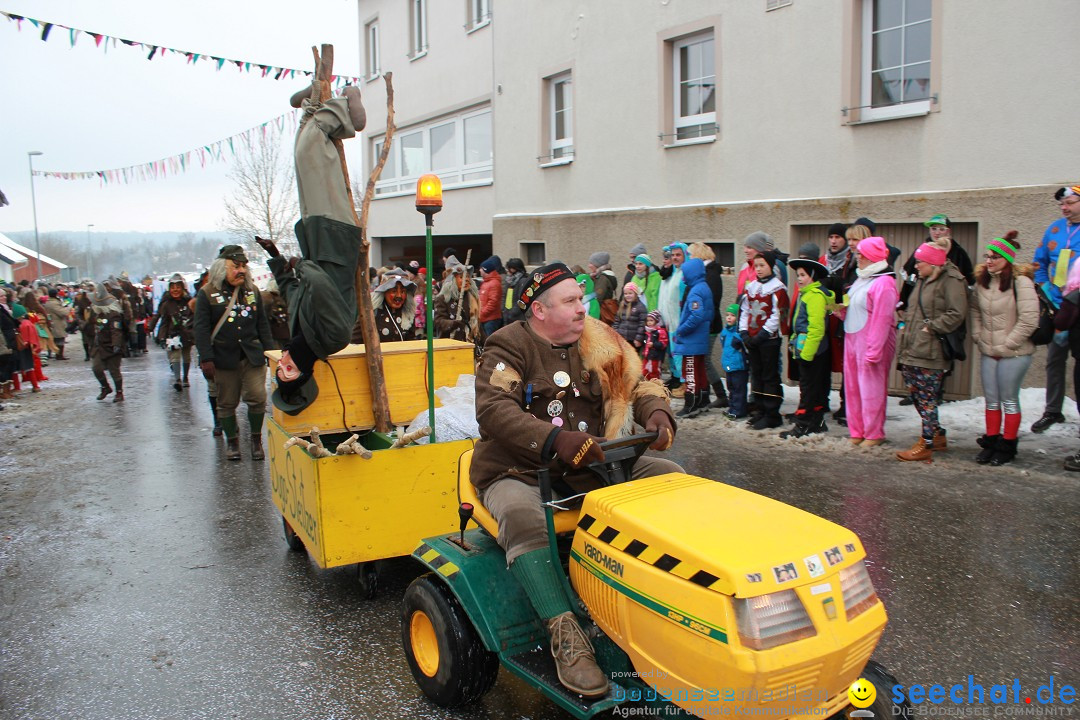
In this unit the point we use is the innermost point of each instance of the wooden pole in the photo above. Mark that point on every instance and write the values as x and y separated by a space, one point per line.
380 402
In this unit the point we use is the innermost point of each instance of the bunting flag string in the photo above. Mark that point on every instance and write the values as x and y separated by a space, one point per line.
192 58
175 165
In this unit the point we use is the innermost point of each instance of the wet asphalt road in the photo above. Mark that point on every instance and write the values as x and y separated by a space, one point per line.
143 577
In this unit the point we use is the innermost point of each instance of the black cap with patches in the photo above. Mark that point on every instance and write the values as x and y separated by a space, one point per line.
543 279
234 253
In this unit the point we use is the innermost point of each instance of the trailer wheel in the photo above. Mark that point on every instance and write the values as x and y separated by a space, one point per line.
294 541
883 705
444 652
367 577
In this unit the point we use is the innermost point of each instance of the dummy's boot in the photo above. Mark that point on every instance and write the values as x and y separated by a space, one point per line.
356 107
988 443
232 450
721 400
574 658
922 450
187 367
1004 453
175 367
213 413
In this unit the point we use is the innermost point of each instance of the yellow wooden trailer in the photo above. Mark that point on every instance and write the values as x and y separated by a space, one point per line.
345 509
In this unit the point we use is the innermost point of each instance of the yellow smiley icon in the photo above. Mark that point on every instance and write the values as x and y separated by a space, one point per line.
862 693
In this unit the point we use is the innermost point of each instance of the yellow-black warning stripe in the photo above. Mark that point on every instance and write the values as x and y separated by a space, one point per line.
642 551
435 560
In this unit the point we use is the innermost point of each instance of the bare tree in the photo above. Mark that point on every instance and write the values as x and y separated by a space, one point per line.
264 201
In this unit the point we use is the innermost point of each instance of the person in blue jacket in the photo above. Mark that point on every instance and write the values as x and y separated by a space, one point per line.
691 338
1053 258
733 359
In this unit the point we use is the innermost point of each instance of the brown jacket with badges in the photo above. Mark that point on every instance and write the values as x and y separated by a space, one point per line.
523 384
244 334
174 318
389 328
109 336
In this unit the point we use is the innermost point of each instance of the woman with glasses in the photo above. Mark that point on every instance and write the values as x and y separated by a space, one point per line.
1004 314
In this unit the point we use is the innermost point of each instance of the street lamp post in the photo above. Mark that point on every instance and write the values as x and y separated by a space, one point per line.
33 202
89 261
429 202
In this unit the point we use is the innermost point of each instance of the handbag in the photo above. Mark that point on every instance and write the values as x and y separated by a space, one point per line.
608 309
952 343
1044 329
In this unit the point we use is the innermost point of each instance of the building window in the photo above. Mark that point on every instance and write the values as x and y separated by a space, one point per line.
458 149
534 253
896 49
374 63
561 117
776 4
694 86
478 14
418 43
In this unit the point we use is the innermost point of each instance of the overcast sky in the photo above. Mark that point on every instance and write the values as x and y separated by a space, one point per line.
86 109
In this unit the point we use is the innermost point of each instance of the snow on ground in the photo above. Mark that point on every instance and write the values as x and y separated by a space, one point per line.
963 421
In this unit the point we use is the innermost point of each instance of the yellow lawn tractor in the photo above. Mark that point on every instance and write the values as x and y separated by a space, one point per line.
700 599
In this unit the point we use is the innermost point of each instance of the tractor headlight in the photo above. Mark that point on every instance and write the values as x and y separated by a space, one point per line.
770 620
859 594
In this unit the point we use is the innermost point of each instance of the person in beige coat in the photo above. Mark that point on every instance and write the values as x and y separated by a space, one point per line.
57 315
1004 314
938 306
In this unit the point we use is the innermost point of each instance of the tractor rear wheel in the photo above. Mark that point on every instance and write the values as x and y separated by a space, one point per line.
444 652
294 541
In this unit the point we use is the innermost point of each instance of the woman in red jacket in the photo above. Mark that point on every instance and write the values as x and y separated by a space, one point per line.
491 294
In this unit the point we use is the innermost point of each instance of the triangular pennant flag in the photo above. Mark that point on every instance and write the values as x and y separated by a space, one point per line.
45 31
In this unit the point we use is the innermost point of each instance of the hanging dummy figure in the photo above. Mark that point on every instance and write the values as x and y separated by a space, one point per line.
320 289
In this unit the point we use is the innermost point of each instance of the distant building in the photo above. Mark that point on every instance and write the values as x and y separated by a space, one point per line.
18 263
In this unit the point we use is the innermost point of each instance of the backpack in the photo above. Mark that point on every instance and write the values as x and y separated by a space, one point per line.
1044 330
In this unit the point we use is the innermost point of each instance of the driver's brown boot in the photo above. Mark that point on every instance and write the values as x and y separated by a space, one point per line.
574 659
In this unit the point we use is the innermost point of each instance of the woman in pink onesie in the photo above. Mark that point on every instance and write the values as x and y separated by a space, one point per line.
869 342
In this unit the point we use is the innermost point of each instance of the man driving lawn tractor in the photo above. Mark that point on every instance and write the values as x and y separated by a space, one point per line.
552 387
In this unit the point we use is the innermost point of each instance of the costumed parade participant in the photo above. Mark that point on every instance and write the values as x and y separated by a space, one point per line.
175 324
106 317
454 318
394 303
232 333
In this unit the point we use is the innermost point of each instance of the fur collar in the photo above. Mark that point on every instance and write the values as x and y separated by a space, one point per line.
604 352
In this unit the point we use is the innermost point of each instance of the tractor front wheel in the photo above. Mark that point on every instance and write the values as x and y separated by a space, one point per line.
883 705
444 652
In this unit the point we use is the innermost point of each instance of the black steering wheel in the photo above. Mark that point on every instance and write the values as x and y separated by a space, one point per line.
620 456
